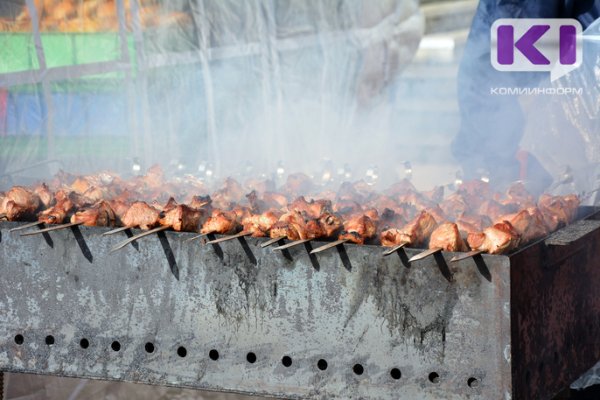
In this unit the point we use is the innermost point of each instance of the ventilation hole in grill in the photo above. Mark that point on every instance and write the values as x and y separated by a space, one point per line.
434 377
286 361
541 367
322 364
49 340
149 347
527 376
555 357
358 369
181 352
84 343
116 346
472 382
395 373
214 355
19 339
251 357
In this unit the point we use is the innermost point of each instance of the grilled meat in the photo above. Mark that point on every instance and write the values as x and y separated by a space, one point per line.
99 214
260 224
183 218
497 239
58 213
358 229
557 210
297 184
447 237
201 202
472 223
223 222
141 215
45 195
313 208
528 223
19 203
415 233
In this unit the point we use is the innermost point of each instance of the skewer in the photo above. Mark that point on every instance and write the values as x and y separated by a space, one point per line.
291 244
425 254
196 237
53 228
139 236
464 256
328 246
116 230
226 238
271 241
26 226
394 249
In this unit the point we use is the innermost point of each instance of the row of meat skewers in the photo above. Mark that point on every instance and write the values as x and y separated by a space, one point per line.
473 219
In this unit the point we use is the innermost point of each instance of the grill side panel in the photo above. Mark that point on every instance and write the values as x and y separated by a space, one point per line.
349 306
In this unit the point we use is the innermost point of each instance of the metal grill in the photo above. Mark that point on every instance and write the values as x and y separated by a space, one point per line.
347 323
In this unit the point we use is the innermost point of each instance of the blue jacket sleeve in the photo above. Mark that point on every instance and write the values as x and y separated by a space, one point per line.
491 124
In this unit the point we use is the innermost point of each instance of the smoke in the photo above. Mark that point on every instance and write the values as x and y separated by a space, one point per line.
303 86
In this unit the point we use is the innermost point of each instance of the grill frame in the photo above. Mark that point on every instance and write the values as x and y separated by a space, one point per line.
349 306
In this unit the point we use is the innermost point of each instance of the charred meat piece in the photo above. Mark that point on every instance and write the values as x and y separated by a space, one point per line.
435 195
475 192
402 187
154 178
81 185
19 203
295 226
358 228
297 184
455 205
415 233
312 209
416 200
200 202
223 222
256 204
99 214
58 213
260 186
390 219
259 225
95 194
447 237
275 200
558 210
517 195
330 224
182 218
347 207
438 214
120 207
497 239
141 215
529 224
231 192
495 210
45 195
472 223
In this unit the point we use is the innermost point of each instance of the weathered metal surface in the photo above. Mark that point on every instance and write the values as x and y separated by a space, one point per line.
349 306
555 311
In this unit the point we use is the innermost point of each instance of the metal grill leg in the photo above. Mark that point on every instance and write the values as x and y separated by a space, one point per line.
1 385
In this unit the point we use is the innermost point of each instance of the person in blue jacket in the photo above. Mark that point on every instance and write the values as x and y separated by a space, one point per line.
491 125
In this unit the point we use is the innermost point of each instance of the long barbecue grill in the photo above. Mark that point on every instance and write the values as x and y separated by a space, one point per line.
346 323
